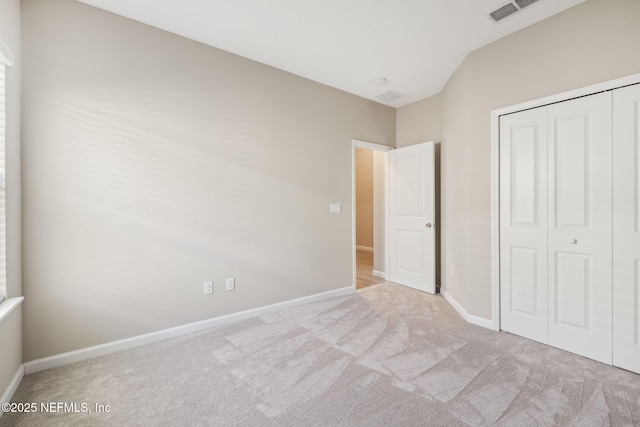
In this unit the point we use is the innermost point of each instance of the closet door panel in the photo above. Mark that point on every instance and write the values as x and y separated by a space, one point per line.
523 224
626 228
580 220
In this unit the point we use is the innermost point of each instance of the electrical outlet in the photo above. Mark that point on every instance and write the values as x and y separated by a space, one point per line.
208 288
231 283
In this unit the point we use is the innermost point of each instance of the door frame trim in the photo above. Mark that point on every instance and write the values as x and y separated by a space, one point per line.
495 170
356 143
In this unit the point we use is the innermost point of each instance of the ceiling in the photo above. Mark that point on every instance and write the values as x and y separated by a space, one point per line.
414 44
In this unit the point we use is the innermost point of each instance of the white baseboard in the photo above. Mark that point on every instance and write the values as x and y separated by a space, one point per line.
364 248
111 347
480 321
380 274
13 386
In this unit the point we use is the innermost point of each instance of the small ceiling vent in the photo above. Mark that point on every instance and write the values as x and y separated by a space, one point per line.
524 3
504 11
389 96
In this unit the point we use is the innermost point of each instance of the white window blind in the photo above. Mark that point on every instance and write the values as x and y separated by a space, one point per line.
3 233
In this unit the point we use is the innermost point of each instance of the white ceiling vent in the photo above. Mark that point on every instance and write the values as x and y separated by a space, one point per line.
510 8
503 12
389 96
524 3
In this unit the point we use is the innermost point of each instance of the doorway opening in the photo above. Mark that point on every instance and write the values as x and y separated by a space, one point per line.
369 204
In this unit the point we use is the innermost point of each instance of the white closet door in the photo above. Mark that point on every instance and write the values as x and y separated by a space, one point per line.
626 228
523 223
579 248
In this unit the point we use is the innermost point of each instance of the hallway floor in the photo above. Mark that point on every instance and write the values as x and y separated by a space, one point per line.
364 270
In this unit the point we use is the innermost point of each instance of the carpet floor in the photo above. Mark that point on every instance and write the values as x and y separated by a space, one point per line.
384 356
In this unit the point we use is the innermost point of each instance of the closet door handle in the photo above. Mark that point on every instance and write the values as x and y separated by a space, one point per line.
574 241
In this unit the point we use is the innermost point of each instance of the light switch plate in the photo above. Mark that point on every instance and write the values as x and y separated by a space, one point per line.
335 208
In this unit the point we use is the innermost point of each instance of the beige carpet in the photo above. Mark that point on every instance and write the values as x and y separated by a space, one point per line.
386 356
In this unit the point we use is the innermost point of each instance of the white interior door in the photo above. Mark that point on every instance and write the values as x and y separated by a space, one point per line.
523 223
579 232
626 228
412 217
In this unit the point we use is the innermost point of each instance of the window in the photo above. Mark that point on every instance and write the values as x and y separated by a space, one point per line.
3 246
5 59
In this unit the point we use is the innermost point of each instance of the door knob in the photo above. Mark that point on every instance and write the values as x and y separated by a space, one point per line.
574 241
428 225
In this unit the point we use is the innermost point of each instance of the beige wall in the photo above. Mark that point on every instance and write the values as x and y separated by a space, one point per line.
370 203
590 43
156 163
11 326
364 197
379 196
418 122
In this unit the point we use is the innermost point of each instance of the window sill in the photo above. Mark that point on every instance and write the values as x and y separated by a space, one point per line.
8 305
